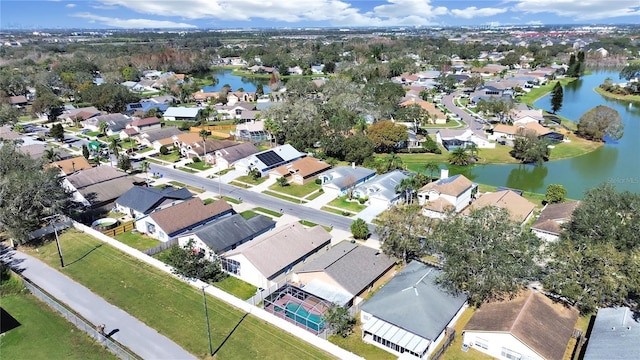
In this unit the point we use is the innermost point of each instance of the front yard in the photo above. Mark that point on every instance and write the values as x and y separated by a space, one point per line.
342 203
247 179
296 190
199 165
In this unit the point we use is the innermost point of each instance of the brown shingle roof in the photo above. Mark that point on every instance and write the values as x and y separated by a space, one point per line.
187 213
72 165
519 207
273 251
553 215
453 186
303 167
146 121
541 324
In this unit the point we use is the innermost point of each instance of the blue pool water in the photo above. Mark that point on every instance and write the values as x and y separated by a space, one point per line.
300 315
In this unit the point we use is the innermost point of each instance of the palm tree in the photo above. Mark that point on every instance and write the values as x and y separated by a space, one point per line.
459 157
273 128
144 167
431 168
103 127
51 155
408 186
473 150
114 145
203 134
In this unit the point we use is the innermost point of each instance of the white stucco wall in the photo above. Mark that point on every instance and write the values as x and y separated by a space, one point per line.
496 341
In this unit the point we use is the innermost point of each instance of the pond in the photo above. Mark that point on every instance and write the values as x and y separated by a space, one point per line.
225 77
616 163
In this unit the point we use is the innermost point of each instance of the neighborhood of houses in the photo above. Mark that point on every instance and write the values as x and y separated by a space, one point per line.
302 270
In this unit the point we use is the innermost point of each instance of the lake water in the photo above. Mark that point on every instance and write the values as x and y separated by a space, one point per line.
236 82
617 163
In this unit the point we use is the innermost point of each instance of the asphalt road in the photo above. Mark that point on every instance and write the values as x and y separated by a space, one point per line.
268 202
472 122
127 330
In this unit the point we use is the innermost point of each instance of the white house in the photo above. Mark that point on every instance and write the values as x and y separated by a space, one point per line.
447 194
268 159
381 190
181 113
548 226
340 179
529 326
409 316
268 259
453 137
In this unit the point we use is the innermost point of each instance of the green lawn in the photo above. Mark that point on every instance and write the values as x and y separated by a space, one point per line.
170 306
173 156
633 98
541 91
199 165
314 195
283 196
250 180
296 190
336 211
237 287
208 201
137 240
268 212
248 214
454 351
312 224
576 147
44 334
186 169
239 184
355 344
231 200
342 203
191 188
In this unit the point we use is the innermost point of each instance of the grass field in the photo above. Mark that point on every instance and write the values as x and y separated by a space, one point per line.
137 240
314 195
576 147
170 306
541 91
44 334
296 190
191 188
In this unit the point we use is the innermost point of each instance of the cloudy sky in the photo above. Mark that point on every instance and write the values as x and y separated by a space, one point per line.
187 14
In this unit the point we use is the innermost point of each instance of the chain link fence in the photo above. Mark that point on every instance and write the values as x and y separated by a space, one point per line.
80 323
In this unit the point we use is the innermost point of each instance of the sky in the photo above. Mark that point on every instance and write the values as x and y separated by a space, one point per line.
207 14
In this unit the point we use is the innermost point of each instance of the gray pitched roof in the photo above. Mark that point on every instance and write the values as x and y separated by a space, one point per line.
240 151
615 335
353 267
107 190
163 133
94 175
383 186
345 176
145 199
413 301
226 232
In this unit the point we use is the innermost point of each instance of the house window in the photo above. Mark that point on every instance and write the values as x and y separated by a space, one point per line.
151 228
231 266
510 354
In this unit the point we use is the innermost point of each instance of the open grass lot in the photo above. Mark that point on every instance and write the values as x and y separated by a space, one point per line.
44 334
576 147
296 190
237 287
342 203
137 240
454 351
171 307
355 344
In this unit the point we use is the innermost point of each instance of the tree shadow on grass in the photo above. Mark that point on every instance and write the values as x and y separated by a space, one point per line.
84 256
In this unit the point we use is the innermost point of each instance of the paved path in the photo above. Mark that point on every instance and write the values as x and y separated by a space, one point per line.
132 333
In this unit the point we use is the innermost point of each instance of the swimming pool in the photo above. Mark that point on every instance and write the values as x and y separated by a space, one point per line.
300 315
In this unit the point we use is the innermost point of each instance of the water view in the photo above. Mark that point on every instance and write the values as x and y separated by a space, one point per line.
617 163
225 77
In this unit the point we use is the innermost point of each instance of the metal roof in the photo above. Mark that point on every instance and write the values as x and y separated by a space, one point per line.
615 335
396 335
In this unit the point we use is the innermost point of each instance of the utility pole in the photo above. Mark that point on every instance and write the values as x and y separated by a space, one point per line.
52 220
206 315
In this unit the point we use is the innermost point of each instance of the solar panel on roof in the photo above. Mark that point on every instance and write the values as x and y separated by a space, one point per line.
269 158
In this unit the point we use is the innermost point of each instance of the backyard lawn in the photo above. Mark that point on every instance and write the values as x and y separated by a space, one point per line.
237 287
44 334
170 306
296 190
576 147
454 351
137 240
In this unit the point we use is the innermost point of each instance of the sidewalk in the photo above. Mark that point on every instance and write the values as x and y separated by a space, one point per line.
128 331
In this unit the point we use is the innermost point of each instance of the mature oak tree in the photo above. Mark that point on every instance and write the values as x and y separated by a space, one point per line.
403 231
600 122
486 254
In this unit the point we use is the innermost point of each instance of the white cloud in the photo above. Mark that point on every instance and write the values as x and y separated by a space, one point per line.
70 6
474 12
336 12
581 9
132 23
535 22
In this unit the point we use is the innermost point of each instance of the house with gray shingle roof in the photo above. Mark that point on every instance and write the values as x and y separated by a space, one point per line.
615 335
141 200
269 258
381 190
342 178
226 234
348 269
409 315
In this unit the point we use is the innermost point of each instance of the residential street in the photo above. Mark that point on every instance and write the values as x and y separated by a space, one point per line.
269 202
472 122
127 330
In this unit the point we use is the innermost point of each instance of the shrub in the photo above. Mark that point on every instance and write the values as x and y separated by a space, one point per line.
359 229
196 159
164 150
318 182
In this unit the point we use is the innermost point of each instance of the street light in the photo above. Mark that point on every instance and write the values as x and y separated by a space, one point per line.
206 315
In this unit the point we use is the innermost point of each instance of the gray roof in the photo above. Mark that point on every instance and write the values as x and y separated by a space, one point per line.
157 134
181 112
106 191
272 252
353 267
240 151
116 122
345 176
383 186
615 335
286 152
94 175
226 232
413 301
144 199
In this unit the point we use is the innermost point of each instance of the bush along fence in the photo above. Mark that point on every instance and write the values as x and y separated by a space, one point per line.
95 331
